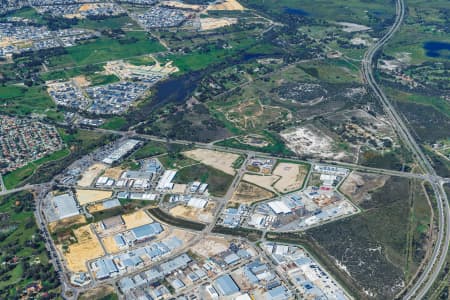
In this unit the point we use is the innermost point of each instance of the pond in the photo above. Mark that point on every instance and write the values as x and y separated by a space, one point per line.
295 11
437 49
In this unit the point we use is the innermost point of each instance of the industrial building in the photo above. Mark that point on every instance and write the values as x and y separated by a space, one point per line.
226 286
146 231
165 182
65 206
123 149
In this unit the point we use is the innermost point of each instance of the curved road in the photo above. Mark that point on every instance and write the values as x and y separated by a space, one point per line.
429 274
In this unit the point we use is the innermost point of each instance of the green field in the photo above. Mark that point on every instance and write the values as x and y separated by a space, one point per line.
104 49
22 100
22 251
218 181
101 79
115 123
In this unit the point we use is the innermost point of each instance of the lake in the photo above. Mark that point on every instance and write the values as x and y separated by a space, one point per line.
437 49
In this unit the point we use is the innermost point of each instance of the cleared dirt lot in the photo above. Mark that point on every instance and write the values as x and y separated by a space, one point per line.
87 247
214 23
136 219
265 182
226 5
113 173
222 161
210 246
190 213
110 244
358 186
291 175
90 174
311 140
80 219
97 293
90 196
247 193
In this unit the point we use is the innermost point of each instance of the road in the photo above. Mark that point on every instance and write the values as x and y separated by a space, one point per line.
430 272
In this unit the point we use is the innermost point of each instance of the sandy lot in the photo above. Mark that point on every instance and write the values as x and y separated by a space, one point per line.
247 193
81 81
113 173
179 188
219 160
292 176
88 247
213 23
190 213
110 244
95 207
210 246
312 141
136 219
89 196
80 219
358 186
90 174
177 4
226 5
262 181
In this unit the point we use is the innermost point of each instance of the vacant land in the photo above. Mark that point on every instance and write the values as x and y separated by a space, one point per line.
67 223
226 5
266 182
90 174
21 100
86 248
114 173
104 49
222 161
292 176
136 219
210 246
371 246
104 292
89 196
218 181
247 193
203 215
358 186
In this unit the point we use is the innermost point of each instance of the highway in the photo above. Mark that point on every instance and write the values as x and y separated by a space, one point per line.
435 263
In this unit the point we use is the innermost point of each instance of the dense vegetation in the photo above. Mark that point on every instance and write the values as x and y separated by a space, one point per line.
24 259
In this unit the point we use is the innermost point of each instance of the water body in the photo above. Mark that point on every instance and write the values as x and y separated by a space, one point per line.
437 49
295 11
176 90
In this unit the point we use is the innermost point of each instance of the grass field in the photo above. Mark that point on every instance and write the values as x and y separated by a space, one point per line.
104 49
68 73
115 123
22 100
218 181
101 79
362 12
14 178
21 242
